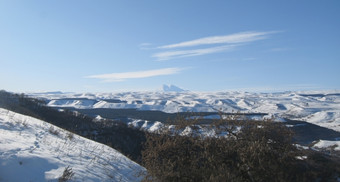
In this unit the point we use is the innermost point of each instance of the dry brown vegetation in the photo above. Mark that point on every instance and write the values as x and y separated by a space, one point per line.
248 151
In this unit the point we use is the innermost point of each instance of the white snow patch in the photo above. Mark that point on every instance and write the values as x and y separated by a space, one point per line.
33 150
156 126
328 144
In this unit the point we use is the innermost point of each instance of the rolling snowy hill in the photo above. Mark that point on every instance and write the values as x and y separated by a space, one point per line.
33 150
320 108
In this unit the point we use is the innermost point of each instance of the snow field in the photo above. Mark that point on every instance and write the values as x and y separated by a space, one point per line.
33 150
321 108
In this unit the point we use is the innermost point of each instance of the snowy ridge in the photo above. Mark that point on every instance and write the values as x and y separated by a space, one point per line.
33 150
321 108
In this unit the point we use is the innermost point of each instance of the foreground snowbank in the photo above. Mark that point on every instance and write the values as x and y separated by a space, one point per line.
33 150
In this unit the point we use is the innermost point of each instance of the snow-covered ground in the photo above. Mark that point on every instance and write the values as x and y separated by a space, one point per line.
327 144
33 150
317 107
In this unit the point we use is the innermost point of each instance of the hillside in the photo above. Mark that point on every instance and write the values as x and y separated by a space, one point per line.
33 150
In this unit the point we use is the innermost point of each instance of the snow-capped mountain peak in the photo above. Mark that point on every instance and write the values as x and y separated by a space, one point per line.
172 88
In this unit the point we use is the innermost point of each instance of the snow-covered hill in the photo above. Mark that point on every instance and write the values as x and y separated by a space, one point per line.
321 108
33 150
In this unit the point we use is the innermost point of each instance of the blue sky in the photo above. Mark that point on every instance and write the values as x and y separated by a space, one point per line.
107 46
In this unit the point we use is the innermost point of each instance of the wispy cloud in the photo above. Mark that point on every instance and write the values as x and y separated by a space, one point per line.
117 77
228 43
241 37
188 53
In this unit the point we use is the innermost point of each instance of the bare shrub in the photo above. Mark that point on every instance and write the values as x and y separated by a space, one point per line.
24 123
248 151
53 131
70 135
67 175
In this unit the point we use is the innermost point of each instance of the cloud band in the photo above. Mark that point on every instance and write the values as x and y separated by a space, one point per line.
117 77
226 39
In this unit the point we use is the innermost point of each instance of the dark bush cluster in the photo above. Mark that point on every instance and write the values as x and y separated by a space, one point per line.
244 151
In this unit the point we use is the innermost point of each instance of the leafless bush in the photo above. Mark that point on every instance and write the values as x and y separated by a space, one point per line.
70 135
23 123
67 175
248 151
53 131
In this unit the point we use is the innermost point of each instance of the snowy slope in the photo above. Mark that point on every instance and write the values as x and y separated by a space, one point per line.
33 150
321 108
